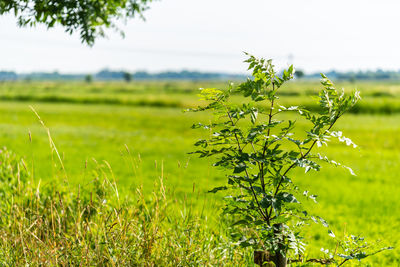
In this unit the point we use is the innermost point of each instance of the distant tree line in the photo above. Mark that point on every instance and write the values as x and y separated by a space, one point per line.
107 75
8 75
110 75
359 75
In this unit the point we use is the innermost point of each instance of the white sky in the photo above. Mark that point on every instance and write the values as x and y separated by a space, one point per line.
209 35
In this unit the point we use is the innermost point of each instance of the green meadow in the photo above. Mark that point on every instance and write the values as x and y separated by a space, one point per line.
140 130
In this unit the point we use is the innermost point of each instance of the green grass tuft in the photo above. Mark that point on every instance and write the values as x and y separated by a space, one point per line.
92 226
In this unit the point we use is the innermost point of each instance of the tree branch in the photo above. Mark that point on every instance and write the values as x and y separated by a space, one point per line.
294 163
247 174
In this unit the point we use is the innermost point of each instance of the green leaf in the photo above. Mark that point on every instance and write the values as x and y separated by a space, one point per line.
330 233
287 197
276 205
216 189
210 94
360 255
240 222
343 139
347 257
239 168
324 223
266 201
253 115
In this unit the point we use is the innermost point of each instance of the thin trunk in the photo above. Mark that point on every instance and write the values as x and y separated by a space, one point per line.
263 258
279 259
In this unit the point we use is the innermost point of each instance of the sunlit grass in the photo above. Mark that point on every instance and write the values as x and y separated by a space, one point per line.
137 140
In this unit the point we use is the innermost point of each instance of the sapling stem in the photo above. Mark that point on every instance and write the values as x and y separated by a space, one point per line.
247 174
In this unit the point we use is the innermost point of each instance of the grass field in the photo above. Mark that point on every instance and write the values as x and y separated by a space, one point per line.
139 128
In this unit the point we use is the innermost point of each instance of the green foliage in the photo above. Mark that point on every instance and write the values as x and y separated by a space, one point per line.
13 173
261 150
127 77
299 74
55 225
350 248
366 204
88 17
88 78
